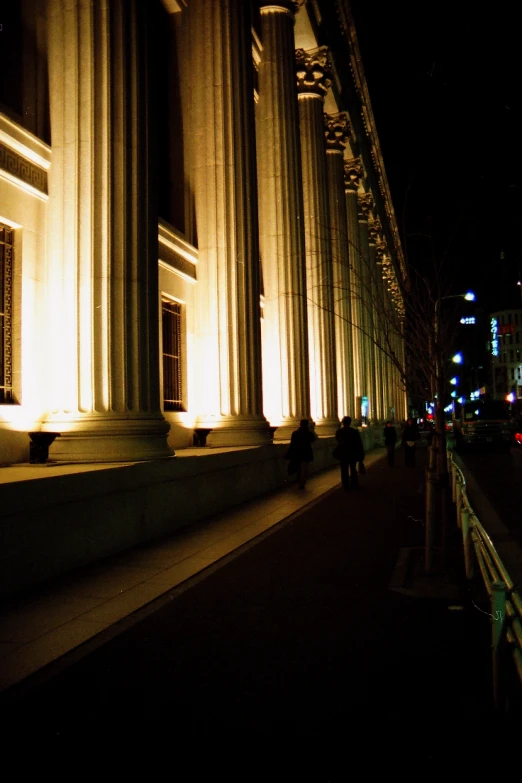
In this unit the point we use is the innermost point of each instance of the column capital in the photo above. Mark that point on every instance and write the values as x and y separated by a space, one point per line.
313 72
353 174
364 205
290 7
337 131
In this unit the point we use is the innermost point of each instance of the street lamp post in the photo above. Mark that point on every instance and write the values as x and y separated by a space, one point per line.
437 474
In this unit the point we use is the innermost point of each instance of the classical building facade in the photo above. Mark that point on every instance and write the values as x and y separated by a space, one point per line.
197 248
194 225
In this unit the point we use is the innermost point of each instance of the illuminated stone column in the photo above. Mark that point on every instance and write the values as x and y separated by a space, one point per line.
380 248
388 365
364 203
353 173
102 281
285 336
337 131
376 316
312 85
228 339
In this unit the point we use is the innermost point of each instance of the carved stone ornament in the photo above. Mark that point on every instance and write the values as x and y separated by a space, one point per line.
364 205
337 131
374 229
353 173
23 169
380 247
313 71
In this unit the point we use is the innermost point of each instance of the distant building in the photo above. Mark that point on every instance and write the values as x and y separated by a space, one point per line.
505 346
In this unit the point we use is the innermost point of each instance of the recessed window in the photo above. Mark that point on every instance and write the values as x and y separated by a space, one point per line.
171 313
6 314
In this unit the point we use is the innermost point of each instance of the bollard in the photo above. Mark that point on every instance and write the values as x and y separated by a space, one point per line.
455 484
466 541
451 469
498 614
458 503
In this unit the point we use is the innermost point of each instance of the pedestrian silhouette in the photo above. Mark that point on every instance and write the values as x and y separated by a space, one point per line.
300 451
349 451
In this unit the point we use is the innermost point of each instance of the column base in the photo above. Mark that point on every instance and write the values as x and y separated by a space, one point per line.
109 438
236 431
327 428
287 426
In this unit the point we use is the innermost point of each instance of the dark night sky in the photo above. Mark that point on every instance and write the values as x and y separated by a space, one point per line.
445 94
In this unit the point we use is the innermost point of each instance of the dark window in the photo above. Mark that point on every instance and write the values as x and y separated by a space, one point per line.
24 91
6 298
172 358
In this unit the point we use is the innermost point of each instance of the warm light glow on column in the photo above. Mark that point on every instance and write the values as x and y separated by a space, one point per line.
313 81
225 174
284 328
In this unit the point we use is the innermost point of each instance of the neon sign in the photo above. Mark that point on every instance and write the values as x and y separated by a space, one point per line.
494 335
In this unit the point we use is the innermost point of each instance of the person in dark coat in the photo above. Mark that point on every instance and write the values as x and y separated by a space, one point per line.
350 451
390 439
300 451
410 436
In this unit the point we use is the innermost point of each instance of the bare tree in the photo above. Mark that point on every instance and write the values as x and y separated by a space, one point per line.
406 316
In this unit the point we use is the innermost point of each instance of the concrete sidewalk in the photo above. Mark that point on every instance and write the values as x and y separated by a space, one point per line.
40 626
288 614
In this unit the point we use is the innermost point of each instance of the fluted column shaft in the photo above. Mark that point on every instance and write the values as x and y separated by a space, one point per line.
365 309
337 130
390 366
102 279
375 386
356 288
229 386
323 383
285 334
381 341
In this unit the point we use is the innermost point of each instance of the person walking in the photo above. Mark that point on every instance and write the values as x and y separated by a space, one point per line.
410 436
350 451
390 439
300 451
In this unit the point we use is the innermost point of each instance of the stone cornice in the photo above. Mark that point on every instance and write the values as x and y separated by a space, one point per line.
23 157
374 230
353 174
380 245
348 29
175 253
313 72
364 205
337 131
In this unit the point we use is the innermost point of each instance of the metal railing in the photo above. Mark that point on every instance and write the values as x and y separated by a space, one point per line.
505 601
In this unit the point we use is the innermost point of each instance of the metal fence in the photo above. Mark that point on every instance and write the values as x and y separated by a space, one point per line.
505 600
